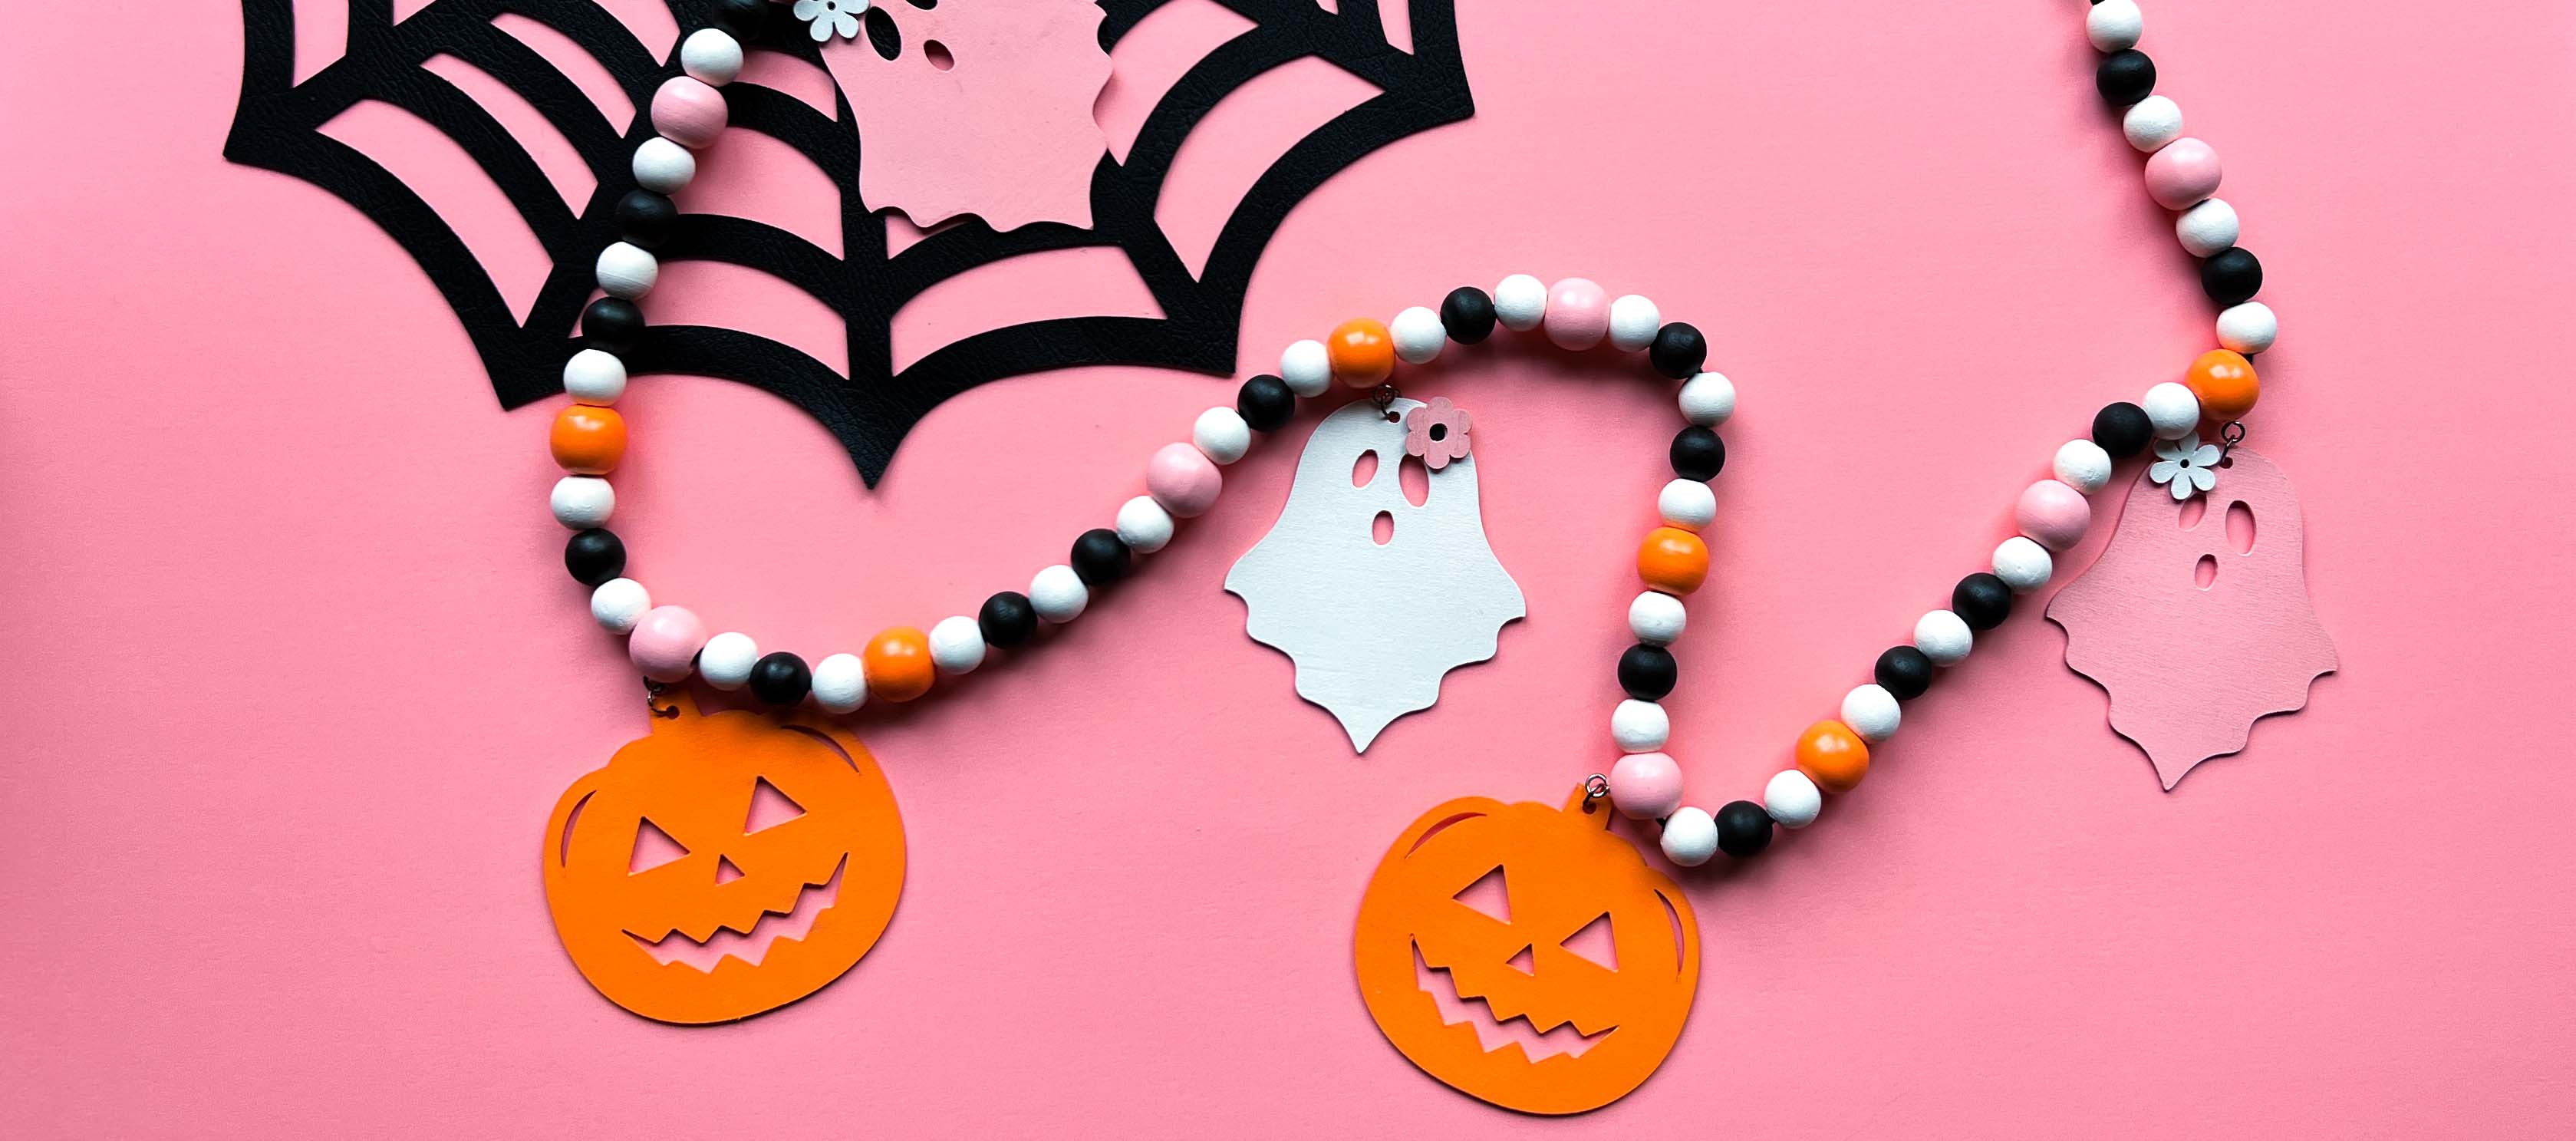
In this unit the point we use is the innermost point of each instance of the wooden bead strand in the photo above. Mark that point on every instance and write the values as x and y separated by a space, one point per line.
1183 480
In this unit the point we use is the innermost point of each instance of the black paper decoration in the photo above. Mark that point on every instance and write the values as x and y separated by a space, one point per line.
277 125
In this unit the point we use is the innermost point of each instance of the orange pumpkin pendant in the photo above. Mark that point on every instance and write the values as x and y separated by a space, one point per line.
1525 955
723 865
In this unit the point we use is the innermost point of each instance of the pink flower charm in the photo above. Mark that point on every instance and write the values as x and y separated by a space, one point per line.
1437 432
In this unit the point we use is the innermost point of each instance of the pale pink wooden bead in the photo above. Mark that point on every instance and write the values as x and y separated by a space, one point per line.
688 112
1183 480
665 643
1578 313
2053 513
2182 174
1646 786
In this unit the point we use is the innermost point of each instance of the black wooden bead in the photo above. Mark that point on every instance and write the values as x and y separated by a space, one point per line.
1468 315
1678 350
1007 619
1265 403
595 556
1982 601
741 17
1698 454
2231 276
1648 672
613 324
1101 557
2123 429
1743 829
780 679
2125 77
646 218
1904 672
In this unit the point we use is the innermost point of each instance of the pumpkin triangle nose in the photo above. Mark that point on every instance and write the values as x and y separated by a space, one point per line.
1524 962
725 871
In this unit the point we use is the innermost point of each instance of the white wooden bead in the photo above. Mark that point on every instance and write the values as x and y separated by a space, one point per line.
2082 465
1640 726
1687 504
2207 228
711 57
2114 25
1057 594
1143 525
726 660
594 376
1307 368
1221 435
626 270
2248 328
1520 302
618 604
582 502
1418 335
2023 564
1690 836
2172 409
840 683
663 166
1656 617
957 645
1944 637
1634 321
1872 712
1708 399
2152 122
1792 800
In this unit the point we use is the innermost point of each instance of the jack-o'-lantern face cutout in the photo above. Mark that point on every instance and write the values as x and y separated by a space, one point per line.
723 865
1526 955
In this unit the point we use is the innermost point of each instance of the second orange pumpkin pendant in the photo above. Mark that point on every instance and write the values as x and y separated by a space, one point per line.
1526 955
724 864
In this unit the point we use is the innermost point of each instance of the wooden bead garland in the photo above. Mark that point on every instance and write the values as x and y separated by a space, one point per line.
2182 173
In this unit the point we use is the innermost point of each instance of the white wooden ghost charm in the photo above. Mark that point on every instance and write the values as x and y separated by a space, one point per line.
1373 626
2196 617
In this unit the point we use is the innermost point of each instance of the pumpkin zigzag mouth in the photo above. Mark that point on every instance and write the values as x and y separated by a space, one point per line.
1493 1031
752 944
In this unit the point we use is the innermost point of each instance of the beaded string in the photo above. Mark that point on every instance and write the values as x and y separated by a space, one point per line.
668 643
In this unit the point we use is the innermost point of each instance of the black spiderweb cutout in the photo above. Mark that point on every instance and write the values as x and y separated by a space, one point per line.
277 126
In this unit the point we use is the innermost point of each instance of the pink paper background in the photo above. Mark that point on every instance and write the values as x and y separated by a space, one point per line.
300 674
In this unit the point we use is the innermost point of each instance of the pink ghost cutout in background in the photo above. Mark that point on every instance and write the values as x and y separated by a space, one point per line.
2190 668
985 109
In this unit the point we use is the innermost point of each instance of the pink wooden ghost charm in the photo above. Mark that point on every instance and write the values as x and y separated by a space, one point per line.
985 110
2196 618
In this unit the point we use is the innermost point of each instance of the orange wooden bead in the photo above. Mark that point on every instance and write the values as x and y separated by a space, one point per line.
1832 756
898 664
1672 560
588 440
1362 353
2224 382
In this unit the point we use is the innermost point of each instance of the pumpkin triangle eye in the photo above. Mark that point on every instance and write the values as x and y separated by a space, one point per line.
1594 944
1488 896
769 807
653 848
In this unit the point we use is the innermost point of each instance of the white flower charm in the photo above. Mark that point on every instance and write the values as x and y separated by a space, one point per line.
827 18
2186 466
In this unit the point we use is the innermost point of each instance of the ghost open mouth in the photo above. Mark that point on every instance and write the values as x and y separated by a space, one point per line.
1495 1033
676 946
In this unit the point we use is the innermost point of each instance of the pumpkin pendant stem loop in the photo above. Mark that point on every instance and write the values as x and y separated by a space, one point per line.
653 691
1595 787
